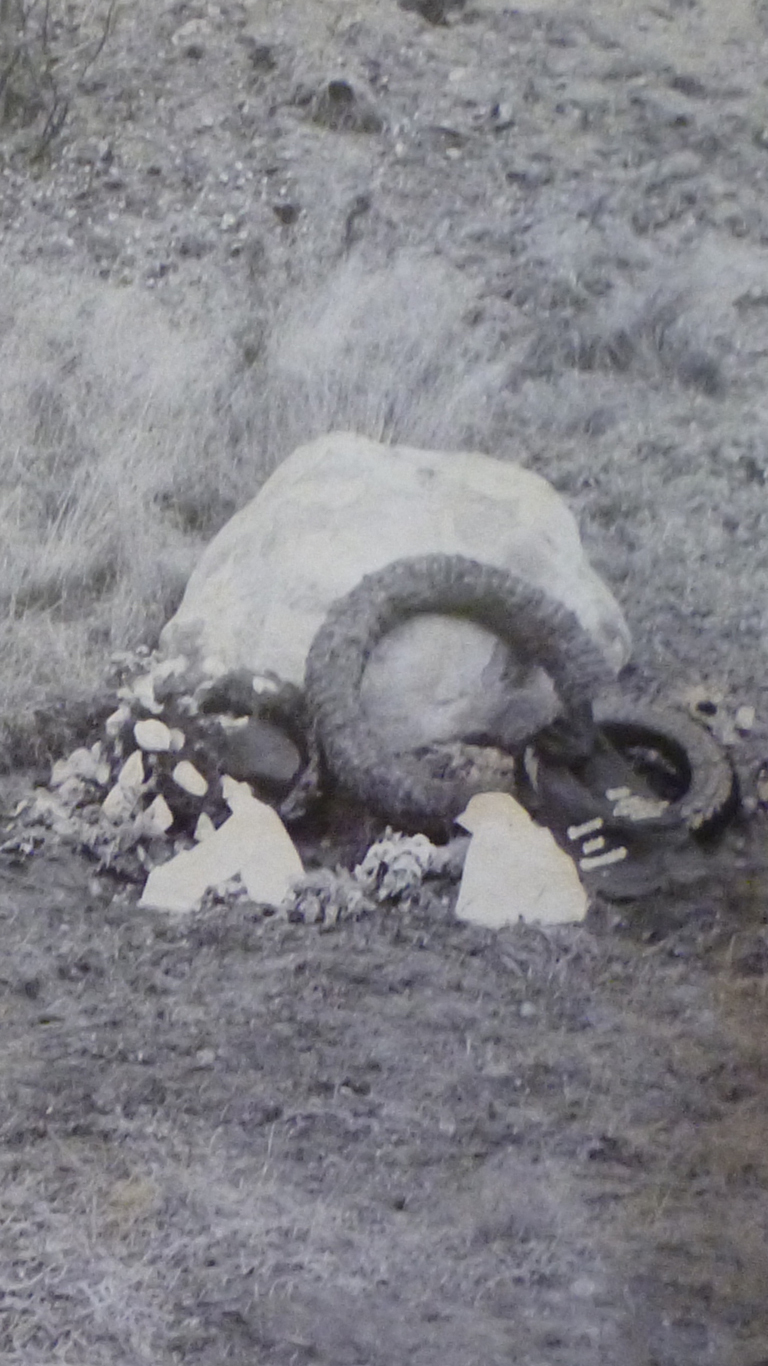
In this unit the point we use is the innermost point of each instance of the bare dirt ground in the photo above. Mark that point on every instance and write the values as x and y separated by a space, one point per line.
541 231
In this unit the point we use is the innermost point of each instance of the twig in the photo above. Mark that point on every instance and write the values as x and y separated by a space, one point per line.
102 41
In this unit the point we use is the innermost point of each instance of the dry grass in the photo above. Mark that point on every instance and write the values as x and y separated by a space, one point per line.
110 415
388 351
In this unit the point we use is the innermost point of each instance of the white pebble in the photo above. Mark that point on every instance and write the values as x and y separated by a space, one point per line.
602 860
157 818
637 808
189 779
114 723
80 764
131 775
143 689
262 683
593 846
204 828
744 719
170 668
120 801
117 805
577 832
152 736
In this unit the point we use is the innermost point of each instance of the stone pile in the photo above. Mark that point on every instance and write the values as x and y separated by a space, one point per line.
155 779
155 801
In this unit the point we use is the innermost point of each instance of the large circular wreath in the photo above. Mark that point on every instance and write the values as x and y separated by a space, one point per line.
431 785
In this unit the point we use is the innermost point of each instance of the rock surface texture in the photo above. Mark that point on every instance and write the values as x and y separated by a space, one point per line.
342 507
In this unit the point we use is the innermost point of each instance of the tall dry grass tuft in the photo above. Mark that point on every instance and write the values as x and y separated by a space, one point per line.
105 408
390 352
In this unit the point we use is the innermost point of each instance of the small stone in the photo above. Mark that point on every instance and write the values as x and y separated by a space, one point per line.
152 736
286 212
143 690
167 669
116 806
593 846
528 1010
120 803
82 763
115 723
702 702
103 766
229 724
156 820
707 705
204 828
72 791
744 719
189 779
639 808
340 107
261 55
603 860
264 685
48 809
131 775
178 740
577 832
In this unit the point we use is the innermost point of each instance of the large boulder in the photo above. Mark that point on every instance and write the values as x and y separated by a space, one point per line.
342 507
